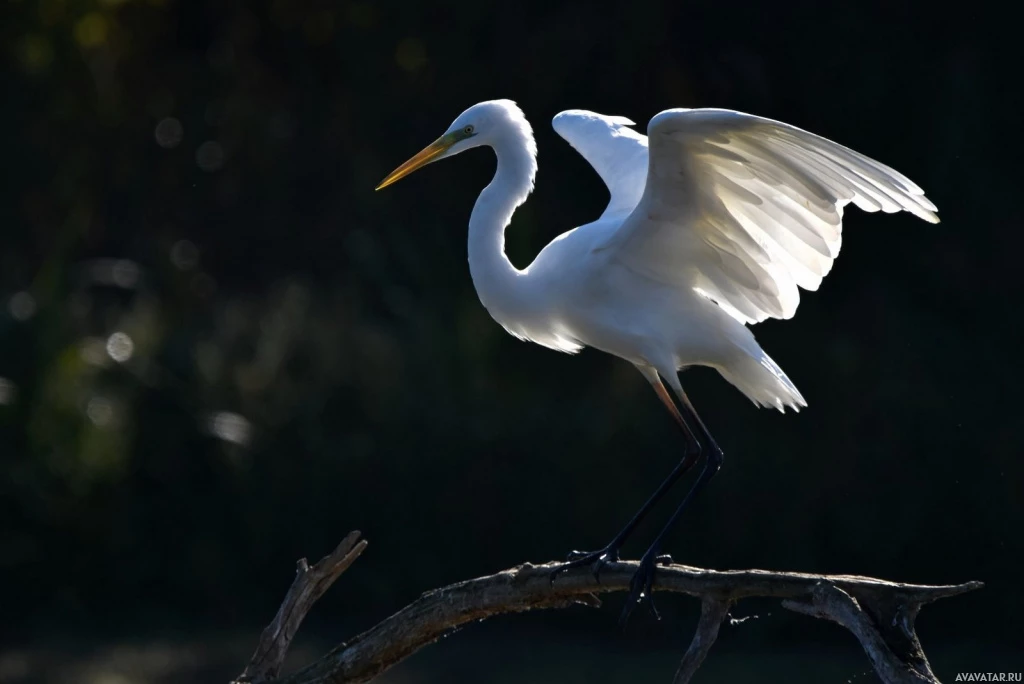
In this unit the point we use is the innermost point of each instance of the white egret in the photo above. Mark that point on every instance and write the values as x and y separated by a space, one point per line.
716 218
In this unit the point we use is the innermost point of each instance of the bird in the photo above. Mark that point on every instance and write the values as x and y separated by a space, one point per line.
715 221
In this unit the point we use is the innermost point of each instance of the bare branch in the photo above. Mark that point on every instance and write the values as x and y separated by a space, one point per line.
832 603
713 612
309 585
887 608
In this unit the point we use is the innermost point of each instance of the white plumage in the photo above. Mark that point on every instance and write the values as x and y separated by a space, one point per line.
715 219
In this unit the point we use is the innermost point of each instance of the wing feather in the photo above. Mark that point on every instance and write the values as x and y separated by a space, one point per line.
744 209
617 153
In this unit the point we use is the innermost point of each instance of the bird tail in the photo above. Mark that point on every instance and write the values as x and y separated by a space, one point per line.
756 375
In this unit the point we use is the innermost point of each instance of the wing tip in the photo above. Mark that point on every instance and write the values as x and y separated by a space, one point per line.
926 215
564 117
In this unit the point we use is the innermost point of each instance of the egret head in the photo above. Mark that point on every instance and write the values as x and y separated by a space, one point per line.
482 124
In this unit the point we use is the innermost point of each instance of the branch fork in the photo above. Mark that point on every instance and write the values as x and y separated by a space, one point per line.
879 613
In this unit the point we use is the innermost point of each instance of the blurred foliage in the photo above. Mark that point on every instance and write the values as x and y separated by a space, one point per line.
221 351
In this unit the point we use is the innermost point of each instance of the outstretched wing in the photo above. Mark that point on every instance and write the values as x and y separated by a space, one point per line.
744 209
617 153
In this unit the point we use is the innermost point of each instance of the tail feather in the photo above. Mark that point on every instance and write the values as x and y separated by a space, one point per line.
764 383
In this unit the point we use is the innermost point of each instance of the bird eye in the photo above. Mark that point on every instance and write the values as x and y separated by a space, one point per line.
468 130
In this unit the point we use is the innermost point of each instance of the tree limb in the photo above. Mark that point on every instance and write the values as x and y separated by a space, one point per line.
713 611
878 612
309 585
832 603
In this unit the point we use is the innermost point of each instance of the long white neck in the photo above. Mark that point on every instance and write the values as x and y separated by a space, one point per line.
499 284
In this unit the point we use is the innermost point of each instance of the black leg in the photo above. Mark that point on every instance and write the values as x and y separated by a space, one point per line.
643 581
610 553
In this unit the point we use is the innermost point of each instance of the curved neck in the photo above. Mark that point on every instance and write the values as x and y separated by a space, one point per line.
498 283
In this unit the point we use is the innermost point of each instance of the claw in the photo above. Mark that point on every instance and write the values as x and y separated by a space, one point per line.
641 588
596 559
649 593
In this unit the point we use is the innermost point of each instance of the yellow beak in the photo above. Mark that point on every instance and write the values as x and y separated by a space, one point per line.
428 154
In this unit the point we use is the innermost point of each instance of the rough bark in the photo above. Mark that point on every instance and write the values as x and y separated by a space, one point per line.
879 613
309 585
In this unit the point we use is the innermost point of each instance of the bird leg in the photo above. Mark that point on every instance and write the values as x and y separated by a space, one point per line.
643 580
610 553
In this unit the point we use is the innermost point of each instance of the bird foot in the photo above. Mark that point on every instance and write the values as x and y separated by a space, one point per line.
642 585
595 559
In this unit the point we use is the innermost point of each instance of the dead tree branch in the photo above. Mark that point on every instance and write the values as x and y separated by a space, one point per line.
879 613
713 611
309 585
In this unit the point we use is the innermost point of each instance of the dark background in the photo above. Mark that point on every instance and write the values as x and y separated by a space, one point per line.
308 357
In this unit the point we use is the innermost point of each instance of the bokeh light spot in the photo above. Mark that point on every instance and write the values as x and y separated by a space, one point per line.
8 392
210 156
22 306
120 347
100 411
230 427
168 132
91 30
124 273
184 255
